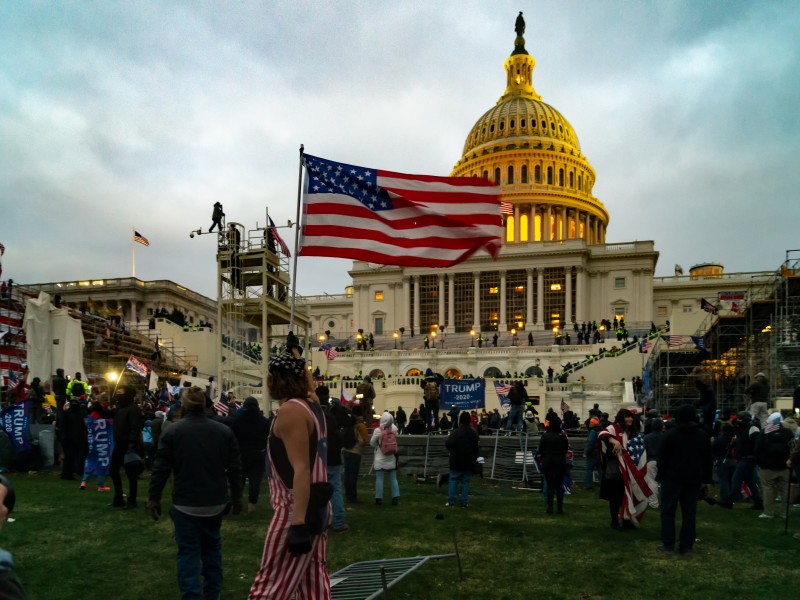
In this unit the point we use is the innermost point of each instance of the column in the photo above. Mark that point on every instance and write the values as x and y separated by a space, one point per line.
529 301
546 230
540 297
568 297
501 326
451 308
564 223
416 305
532 223
580 311
440 277
476 301
406 320
517 236
356 306
134 317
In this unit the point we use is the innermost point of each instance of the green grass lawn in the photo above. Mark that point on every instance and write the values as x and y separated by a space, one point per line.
68 544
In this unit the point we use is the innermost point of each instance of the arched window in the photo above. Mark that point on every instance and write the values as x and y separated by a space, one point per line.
522 123
580 182
486 175
561 177
497 176
510 174
509 228
572 179
524 174
493 372
523 228
537 174
549 175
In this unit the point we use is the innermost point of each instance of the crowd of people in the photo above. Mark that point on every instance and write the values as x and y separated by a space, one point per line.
312 450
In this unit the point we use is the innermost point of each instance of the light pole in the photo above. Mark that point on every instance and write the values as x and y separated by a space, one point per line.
433 335
472 338
395 335
358 340
513 337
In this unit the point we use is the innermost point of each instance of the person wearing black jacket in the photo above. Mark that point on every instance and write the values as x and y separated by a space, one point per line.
73 439
335 461
463 447
707 403
251 429
203 457
744 450
128 425
772 452
517 397
553 448
684 472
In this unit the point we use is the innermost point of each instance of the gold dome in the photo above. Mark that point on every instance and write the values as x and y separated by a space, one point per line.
523 123
530 150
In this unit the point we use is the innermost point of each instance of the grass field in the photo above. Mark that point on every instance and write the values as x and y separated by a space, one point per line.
69 545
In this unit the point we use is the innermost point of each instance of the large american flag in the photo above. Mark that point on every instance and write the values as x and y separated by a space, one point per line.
138 237
330 351
391 218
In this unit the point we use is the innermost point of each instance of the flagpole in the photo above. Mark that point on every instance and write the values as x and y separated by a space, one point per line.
133 253
296 237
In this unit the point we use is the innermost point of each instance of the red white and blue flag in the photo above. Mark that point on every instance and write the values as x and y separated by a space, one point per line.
138 237
675 340
274 231
137 366
11 382
330 351
389 218
347 397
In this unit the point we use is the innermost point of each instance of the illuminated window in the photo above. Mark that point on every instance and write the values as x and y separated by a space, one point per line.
555 287
378 295
519 289
619 283
523 228
493 290
509 228
619 313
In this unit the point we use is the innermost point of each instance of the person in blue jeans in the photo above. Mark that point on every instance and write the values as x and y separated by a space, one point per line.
517 398
746 468
203 457
463 447
334 466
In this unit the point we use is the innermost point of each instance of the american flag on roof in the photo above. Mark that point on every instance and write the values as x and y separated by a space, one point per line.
675 340
277 236
138 237
330 351
389 218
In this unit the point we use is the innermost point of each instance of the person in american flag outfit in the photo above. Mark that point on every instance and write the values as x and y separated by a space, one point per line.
624 468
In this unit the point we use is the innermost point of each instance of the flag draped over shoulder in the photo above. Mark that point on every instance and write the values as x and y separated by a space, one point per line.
391 218
137 366
633 467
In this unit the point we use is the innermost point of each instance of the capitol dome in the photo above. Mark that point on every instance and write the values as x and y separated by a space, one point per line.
531 151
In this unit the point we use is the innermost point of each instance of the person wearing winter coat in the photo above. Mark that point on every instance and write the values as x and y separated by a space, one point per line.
463 447
384 463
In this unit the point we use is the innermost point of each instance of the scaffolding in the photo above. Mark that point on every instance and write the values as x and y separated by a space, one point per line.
253 290
755 330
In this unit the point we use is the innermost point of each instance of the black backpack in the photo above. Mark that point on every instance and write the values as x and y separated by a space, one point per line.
77 389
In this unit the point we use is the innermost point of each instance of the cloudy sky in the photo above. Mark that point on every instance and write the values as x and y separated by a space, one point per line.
143 114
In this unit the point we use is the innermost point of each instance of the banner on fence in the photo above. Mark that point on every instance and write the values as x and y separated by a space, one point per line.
466 394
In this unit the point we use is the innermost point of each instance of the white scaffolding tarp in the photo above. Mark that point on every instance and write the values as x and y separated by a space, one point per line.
54 339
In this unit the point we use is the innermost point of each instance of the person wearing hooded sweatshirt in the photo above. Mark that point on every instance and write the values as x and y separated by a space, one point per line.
553 448
684 472
384 463
772 452
127 438
744 449
251 429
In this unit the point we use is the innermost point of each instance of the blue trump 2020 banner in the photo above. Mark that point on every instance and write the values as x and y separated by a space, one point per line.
466 394
16 421
101 445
